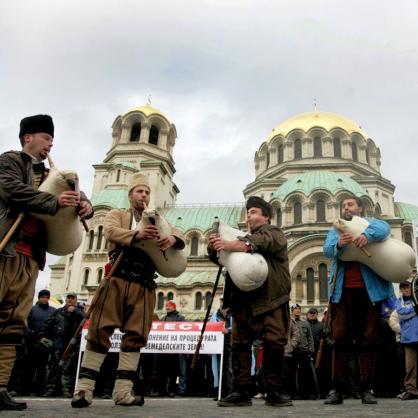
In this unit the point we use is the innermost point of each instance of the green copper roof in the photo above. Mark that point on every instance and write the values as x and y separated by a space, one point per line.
406 211
308 182
114 198
201 218
191 278
125 164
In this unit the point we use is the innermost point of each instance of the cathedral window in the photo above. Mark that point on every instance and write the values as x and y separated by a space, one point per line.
170 296
320 211
354 151
86 277
279 217
299 288
408 238
99 275
91 239
198 301
99 238
280 154
160 301
310 287
267 159
194 246
153 135
297 213
118 176
208 299
323 282
337 147
317 147
135 132
298 149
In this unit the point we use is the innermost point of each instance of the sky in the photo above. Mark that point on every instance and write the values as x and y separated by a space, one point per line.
225 72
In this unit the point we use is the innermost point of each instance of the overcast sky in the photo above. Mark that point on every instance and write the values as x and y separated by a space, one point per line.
224 72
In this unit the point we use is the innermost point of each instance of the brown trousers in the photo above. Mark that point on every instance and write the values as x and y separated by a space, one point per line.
124 305
411 368
354 323
270 327
17 286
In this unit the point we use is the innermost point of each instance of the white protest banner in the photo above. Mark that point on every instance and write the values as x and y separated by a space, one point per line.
174 338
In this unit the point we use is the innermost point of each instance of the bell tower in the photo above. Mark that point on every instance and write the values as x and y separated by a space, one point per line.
142 140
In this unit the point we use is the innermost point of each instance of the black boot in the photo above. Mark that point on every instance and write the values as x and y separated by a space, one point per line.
7 403
334 398
236 399
278 399
369 397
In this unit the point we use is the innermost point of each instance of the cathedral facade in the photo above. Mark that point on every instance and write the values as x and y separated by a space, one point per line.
304 168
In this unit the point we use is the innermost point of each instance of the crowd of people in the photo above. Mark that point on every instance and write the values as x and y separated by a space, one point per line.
366 344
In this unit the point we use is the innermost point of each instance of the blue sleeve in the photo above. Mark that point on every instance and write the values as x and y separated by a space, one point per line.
405 312
377 230
330 245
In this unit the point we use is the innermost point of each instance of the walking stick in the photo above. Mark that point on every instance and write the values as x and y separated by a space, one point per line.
215 228
327 319
11 231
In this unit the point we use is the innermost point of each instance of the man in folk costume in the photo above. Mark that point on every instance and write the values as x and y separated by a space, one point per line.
127 301
21 173
262 313
356 303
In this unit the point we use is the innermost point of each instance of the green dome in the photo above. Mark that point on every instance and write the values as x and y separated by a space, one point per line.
308 182
113 198
202 218
406 211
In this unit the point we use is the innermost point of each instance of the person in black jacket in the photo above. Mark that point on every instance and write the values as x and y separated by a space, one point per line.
37 349
60 328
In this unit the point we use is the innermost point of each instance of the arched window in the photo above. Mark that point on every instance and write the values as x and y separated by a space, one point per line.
279 217
280 154
194 245
298 149
198 301
208 299
91 239
86 277
267 159
317 147
323 282
367 156
135 132
99 275
354 151
118 176
337 147
170 296
153 135
408 238
297 213
320 211
310 287
299 288
160 301
99 238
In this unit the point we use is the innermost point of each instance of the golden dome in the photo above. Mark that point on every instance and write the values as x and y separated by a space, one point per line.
326 120
148 110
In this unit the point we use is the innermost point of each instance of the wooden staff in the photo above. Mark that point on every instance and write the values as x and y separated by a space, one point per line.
215 228
11 231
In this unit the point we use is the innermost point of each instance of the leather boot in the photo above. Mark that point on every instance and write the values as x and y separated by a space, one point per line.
236 399
7 403
334 398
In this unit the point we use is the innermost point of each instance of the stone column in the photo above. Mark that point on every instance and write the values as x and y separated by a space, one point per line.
126 131
145 128
307 212
288 150
273 155
346 148
307 147
162 139
327 147
362 153
287 213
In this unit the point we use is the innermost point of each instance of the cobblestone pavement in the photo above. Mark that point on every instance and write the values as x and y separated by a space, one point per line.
204 407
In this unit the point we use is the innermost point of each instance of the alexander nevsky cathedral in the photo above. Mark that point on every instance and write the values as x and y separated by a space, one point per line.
304 168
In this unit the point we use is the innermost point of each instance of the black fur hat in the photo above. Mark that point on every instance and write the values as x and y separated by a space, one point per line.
258 202
36 124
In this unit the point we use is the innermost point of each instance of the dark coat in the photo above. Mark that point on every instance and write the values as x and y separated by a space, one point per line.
174 316
17 194
270 242
37 320
61 326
